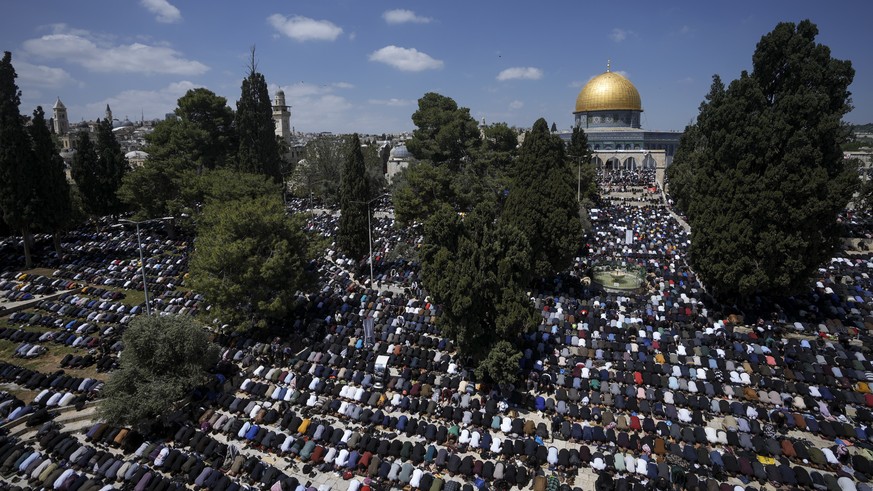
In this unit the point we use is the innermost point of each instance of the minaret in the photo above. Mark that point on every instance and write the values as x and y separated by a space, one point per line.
59 113
108 114
282 117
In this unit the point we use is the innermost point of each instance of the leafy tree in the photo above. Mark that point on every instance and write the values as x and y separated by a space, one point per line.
258 147
164 358
209 113
17 179
769 178
177 151
318 174
476 267
249 260
499 137
455 167
228 185
352 236
445 133
542 202
55 205
419 190
501 364
201 138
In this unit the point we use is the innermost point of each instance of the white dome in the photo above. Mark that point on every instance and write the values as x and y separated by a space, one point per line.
136 154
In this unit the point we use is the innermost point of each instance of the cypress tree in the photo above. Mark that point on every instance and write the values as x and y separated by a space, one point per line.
542 202
53 193
17 179
85 172
352 237
580 158
769 178
258 146
112 167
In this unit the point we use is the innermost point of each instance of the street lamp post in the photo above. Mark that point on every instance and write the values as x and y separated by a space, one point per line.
370 234
145 284
579 177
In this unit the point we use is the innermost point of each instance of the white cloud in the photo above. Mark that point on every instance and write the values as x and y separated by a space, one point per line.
302 28
133 103
576 84
80 48
393 102
520 72
402 16
164 10
343 85
30 75
405 59
618 35
516 105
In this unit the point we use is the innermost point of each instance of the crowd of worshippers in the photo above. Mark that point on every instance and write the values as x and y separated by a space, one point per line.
389 245
654 381
656 389
623 180
638 198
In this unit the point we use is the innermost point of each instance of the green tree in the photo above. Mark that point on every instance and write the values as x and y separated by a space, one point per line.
352 236
111 168
476 267
419 190
319 174
201 138
681 172
455 167
176 157
375 169
222 185
55 205
85 172
501 364
249 260
258 147
542 203
164 359
214 119
769 178
17 180
98 170
580 158
444 134
499 137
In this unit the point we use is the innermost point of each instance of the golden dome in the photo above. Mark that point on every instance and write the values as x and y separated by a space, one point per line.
608 91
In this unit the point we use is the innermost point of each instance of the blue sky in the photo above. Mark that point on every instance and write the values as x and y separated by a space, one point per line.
348 65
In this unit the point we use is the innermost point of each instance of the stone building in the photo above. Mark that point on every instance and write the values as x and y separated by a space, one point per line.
609 109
